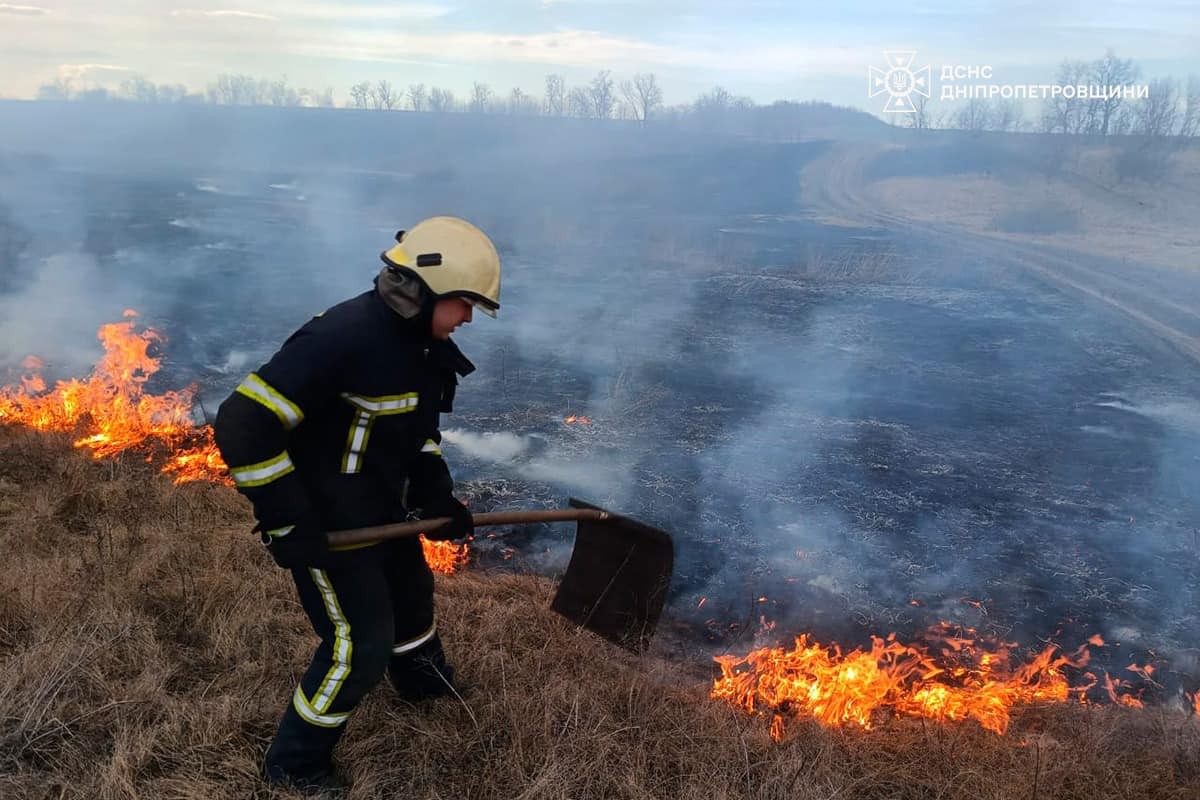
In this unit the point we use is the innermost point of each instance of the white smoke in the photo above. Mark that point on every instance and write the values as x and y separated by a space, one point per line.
493 447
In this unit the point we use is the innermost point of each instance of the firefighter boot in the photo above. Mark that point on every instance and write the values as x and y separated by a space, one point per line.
301 758
422 673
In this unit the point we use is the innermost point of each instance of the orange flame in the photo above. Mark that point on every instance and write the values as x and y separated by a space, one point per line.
444 557
111 412
577 420
954 677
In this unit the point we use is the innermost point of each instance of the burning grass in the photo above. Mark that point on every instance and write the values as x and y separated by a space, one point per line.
147 646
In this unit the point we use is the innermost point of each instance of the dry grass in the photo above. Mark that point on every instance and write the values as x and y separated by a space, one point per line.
146 648
1149 223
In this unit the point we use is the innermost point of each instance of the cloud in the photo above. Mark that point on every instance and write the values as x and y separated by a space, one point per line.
576 47
350 13
32 11
224 13
73 72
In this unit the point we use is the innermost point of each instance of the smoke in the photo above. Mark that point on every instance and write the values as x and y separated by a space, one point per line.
492 447
56 315
862 427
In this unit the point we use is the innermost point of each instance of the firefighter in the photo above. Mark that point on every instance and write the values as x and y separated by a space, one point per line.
340 430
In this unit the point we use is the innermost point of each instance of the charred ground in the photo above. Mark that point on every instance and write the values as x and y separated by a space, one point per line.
851 430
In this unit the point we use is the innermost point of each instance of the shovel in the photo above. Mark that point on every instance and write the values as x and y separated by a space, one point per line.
616 582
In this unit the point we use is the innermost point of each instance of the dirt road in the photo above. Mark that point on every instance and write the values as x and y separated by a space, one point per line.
837 185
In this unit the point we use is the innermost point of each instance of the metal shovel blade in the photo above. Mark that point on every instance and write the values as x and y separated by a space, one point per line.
617 580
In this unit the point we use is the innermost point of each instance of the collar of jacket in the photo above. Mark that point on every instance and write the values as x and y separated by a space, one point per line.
444 352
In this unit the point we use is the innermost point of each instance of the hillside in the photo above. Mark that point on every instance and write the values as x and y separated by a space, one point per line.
146 648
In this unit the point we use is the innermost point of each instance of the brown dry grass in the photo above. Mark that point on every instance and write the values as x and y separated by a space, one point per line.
146 648
1148 223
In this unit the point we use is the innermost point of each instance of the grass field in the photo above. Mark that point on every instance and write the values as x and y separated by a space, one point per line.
147 647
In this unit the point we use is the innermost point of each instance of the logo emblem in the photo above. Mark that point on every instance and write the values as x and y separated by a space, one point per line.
899 80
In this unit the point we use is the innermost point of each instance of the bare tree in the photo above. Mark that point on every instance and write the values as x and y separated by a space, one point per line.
278 93
234 90
918 118
385 96
601 92
441 99
1005 116
1190 124
713 103
417 96
579 103
481 97
139 90
360 94
1107 73
521 103
61 89
556 95
1155 115
976 115
1064 114
642 95
171 93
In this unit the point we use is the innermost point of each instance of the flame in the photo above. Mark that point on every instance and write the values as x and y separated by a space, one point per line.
111 414
577 420
444 557
950 676
110 411
1196 702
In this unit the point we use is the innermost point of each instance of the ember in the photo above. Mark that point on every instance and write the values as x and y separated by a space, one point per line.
956 676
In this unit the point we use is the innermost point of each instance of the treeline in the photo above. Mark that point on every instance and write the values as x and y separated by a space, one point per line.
240 90
1170 108
637 99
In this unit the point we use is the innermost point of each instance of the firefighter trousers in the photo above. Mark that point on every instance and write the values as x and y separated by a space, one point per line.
373 610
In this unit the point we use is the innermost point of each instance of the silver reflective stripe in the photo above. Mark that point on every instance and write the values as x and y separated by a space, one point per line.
431 446
279 533
309 714
390 404
263 472
262 392
412 644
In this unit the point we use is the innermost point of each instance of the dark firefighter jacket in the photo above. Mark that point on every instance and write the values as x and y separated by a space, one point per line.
342 422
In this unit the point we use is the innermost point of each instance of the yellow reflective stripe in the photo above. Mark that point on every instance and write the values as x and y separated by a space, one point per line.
263 472
277 533
356 442
262 392
360 430
431 446
310 714
412 644
387 404
342 646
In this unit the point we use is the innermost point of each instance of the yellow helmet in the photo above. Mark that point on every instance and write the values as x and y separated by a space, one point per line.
452 258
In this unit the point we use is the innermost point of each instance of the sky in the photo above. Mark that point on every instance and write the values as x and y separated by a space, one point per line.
764 49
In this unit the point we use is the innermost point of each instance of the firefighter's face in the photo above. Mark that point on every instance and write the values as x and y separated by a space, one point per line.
448 314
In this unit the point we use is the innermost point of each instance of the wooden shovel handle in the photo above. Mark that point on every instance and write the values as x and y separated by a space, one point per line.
402 529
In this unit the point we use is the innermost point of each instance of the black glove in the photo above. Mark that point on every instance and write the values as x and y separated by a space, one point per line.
302 546
461 526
